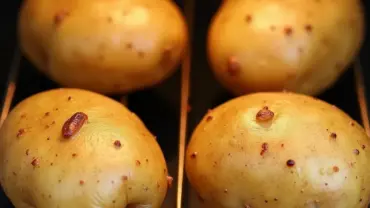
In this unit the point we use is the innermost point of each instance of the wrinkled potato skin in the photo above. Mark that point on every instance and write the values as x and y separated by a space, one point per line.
230 170
95 176
105 46
299 46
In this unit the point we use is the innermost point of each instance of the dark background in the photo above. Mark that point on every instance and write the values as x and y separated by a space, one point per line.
162 114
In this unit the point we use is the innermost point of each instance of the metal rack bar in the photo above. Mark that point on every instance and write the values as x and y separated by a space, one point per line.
185 85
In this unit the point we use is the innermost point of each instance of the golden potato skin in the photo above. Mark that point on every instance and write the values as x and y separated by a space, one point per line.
112 161
297 152
300 46
105 46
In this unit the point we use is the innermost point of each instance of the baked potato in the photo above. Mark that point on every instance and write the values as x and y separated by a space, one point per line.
71 148
105 46
279 150
274 45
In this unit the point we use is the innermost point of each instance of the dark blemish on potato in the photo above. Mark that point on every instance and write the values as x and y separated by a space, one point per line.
56 155
146 188
288 31
360 200
82 182
74 124
266 201
333 136
193 155
308 28
35 162
48 138
141 54
74 155
209 118
51 164
27 151
20 132
47 126
59 181
109 19
124 178
363 146
166 56
290 163
326 184
23 115
169 181
356 151
276 199
138 163
129 46
282 145
117 144
14 173
335 169
248 18
351 123
226 191
114 201
59 17
264 114
265 147
233 66
69 98
47 114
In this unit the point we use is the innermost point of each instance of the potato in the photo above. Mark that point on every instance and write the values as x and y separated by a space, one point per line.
105 46
71 148
299 46
279 150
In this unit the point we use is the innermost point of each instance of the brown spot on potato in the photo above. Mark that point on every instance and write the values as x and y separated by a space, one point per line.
23 115
333 136
60 16
138 163
20 132
209 118
124 178
27 151
117 144
193 155
35 162
308 28
129 46
166 56
264 114
363 146
74 155
288 31
109 19
74 124
356 151
233 66
248 18
290 163
169 181
265 147
226 191
351 123
335 169
47 114
141 54
69 98
82 182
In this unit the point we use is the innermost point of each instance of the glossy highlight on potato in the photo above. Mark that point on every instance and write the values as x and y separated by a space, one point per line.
109 47
279 150
274 45
72 148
